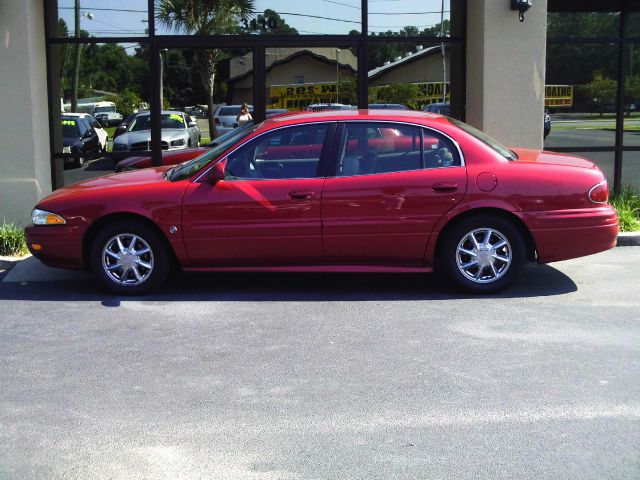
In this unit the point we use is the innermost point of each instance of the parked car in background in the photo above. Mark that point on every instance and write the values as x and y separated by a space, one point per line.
442 108
312 193
106 114
80 139
102 134
387 106
272 112
120 129
321 107
178 156
226 117
179 131
546 124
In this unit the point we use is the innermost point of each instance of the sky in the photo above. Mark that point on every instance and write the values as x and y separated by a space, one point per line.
129 17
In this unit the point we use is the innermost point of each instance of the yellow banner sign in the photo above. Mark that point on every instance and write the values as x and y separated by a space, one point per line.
299 97
558 95
431 92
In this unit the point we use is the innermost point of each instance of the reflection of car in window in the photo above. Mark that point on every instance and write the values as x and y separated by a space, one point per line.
178 132
79 139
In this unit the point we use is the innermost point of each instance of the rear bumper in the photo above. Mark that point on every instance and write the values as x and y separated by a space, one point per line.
60 245
565 234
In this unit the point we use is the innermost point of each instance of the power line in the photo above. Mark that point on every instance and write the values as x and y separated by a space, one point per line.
105 9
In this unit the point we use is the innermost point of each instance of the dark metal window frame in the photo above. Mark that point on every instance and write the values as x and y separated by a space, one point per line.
624 8
257 43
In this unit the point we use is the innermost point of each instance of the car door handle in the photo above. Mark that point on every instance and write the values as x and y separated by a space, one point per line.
302 195
445 187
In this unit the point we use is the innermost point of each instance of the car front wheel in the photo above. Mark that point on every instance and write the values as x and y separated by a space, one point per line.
129 258
482 254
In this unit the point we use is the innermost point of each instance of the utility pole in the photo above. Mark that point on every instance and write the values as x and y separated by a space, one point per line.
76 59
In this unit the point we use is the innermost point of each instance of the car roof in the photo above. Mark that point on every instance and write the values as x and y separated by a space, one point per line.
305 116
163 112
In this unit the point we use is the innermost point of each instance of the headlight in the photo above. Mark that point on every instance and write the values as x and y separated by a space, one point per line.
66 149
42 217
119 147
177 143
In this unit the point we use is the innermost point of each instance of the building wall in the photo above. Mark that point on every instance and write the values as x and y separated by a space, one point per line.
425 69
24 127
506 71
313 71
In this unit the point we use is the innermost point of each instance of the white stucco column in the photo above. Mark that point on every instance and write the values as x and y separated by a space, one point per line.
25 172
506 71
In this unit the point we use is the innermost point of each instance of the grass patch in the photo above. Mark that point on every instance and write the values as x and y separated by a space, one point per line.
12 240
627 203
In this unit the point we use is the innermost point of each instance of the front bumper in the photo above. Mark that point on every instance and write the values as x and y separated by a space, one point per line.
56 245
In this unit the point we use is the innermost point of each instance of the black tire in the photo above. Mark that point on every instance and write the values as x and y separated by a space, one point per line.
491 272
131 274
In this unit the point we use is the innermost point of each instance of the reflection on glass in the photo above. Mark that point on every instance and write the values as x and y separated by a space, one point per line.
102 19
631 170
580 94
201 82
410 18
632 96
312 78
583 24
98 92
259 17
409 75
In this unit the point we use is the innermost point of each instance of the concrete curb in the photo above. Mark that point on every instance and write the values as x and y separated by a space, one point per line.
628 239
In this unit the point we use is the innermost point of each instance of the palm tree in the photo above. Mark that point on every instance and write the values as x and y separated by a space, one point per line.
205 17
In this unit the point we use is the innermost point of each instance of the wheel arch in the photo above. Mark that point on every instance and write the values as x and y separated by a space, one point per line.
96 226
504 214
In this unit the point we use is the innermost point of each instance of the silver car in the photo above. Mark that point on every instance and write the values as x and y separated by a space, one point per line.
179 131
226 117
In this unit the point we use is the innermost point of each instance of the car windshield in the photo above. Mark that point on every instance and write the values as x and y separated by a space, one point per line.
484 138
187 169
105 109
70 128
168 120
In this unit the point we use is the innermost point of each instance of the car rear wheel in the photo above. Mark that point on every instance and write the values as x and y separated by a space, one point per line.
129 258
482 254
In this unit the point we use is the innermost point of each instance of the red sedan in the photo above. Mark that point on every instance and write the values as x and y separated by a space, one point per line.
339 191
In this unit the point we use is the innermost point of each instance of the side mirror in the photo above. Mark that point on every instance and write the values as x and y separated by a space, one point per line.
215 173
193 124
87 134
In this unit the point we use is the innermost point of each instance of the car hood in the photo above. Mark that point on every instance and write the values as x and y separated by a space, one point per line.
168 158
69 141
552 158
145 136
144 177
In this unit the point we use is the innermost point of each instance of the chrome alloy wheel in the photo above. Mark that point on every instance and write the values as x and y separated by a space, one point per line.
127 259
483 255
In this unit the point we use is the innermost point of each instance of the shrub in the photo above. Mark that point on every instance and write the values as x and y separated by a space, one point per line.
12 240
627 203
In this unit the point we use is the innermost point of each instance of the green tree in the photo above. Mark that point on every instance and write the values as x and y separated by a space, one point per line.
602 91
631 91
270 23
404 93
127 102
205 17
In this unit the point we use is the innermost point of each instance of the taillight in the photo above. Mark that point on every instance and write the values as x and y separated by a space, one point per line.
599 193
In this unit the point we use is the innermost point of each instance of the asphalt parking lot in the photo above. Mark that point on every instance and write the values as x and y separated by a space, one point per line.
323 376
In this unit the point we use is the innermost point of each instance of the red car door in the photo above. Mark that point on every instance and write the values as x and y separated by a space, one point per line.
267 209
382 204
